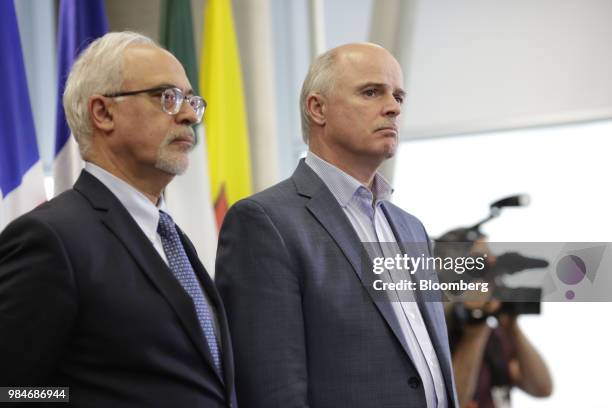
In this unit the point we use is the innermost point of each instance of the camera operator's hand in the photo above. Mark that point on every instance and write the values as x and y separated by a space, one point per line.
508 322
479 305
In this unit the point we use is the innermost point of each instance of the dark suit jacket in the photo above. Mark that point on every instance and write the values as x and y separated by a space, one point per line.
87 302
306 332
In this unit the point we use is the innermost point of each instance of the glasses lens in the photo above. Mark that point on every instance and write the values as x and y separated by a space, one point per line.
198 105
171 100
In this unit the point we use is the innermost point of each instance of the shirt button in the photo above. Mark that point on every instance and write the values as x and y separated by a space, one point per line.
414 382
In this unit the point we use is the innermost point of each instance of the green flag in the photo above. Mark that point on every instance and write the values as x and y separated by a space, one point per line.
176 35
188 196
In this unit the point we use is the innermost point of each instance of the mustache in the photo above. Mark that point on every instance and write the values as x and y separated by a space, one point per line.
186 133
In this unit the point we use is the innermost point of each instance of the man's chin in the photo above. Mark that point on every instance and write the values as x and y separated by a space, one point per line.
390 153
389 150
174 166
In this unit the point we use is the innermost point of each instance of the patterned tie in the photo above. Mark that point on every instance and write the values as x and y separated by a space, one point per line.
183 271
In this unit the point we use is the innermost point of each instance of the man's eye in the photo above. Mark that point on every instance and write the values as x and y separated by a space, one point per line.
399 99
369 92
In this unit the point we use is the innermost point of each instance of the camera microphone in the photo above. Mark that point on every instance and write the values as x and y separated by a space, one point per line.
519 200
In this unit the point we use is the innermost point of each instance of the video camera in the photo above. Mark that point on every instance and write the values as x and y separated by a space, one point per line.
460 242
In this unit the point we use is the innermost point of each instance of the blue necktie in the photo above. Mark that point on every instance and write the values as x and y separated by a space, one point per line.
183 271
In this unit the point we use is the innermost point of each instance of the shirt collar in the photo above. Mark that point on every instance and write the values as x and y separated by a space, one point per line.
144 212
344 186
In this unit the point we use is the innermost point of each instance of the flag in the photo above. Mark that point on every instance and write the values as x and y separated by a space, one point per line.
188 195
226 124
21 174
37 23
80 22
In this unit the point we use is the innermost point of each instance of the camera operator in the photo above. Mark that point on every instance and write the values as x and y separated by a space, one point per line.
490 352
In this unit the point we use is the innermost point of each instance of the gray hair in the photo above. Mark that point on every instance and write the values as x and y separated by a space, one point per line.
98 70
320 79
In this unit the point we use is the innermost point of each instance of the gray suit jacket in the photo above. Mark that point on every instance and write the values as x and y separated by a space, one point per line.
306 332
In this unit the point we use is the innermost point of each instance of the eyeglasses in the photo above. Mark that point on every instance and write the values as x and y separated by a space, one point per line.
171 99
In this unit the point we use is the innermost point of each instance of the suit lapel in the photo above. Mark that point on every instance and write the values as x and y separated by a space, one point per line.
430 308
118 220
325 208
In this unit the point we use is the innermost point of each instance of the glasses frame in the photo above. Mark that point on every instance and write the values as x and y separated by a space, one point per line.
162 89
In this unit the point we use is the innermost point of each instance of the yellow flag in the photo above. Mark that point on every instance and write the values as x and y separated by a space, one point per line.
227 138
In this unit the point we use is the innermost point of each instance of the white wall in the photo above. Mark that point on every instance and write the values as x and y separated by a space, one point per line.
481 65
450 182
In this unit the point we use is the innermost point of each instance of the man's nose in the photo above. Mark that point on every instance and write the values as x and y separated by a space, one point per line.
187 115
393 107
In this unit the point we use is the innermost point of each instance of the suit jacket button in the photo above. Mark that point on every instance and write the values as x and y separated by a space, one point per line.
414 382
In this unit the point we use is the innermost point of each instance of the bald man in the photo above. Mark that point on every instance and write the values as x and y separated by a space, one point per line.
99 290
307 330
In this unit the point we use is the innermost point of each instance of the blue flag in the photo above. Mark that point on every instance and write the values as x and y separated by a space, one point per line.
80 22
21 177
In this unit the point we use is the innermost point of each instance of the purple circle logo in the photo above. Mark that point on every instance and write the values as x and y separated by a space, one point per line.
571 270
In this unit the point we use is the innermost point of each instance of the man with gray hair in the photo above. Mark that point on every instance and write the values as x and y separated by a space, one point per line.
307 330
99 290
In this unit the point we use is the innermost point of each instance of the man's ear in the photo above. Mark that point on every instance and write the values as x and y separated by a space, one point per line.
101 116
315 104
